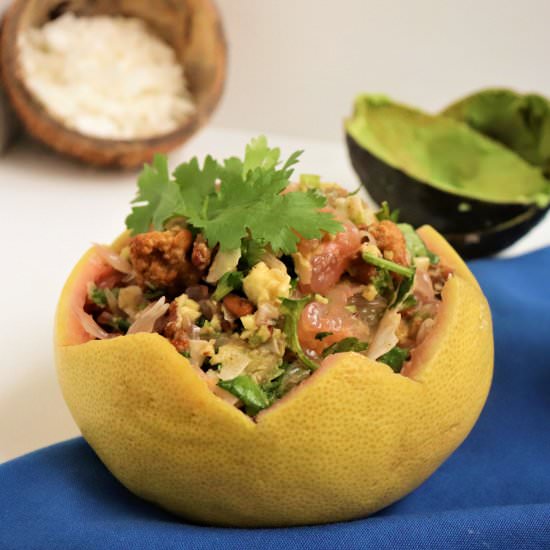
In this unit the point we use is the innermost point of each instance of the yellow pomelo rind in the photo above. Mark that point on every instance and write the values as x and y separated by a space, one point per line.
349 441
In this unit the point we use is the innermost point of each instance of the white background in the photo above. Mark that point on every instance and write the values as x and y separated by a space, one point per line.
295 67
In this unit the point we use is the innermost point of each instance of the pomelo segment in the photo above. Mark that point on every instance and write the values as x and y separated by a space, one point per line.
352 439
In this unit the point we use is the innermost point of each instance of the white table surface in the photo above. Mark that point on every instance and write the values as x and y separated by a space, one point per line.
51 209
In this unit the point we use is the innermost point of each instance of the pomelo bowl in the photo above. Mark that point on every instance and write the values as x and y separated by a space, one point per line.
352 439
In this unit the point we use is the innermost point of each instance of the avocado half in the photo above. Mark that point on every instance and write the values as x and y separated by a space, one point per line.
521 122
437 170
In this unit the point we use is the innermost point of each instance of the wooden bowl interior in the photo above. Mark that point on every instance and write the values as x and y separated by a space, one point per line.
191 27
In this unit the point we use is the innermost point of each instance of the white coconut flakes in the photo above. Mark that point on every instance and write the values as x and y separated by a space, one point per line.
105 76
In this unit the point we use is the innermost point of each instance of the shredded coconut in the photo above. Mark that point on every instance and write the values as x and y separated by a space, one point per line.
108 77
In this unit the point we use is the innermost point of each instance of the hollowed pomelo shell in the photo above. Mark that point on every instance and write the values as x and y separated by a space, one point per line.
352 439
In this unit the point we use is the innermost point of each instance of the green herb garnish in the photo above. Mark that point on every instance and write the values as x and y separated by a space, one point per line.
321 335
346 344
236 200
388 265
310 180
251 253
98 297
272 388
291 376
415 245
395 358
383 282
292 309
248 391
402 292
152 292
120 323
408 302
385 214
232 280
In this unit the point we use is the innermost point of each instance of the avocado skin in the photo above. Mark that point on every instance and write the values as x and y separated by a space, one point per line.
484 229
486 243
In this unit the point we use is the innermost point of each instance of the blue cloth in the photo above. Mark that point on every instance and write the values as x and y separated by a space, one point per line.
494 492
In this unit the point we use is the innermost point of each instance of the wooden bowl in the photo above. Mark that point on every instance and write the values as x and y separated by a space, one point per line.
192 27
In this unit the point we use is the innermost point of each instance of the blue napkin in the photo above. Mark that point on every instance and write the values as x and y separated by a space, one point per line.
494 492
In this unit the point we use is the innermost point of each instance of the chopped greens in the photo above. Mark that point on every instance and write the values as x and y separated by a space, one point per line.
408 302
293 374
251 253
382 281
395 358
321 335
248 391
98 297
292 309
120 324
346 344
153 293
415 245
387 264
403 291
247 203
232 280
396 294
273 388
385 214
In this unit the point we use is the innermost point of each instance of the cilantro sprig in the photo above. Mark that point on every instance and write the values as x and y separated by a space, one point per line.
233 200
388 265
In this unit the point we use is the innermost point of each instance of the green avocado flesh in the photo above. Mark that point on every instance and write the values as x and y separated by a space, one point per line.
445 153
521 122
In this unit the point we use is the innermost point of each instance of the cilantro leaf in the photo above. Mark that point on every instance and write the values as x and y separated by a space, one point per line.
395 358
256 207
195 185
292 310
415 245
310 180
232 201
248 391
157 198
346 344
259 155
232 280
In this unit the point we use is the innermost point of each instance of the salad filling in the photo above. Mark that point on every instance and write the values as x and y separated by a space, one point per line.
257 281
